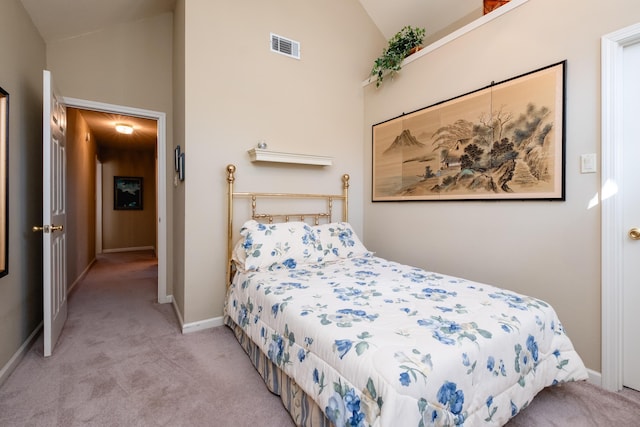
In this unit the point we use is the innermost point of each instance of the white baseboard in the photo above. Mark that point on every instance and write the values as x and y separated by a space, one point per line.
17 357
178 314
138 248
202 325
166 300
595 378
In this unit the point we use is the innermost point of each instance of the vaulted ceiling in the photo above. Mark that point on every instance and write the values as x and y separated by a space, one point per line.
435 16
61 19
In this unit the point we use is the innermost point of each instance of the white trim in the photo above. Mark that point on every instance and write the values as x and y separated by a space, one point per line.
132 249
595 377
202 325
613 45
484 19
98 206
161 181
11 365
177 311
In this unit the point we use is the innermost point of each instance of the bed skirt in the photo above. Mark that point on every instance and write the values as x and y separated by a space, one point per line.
304 410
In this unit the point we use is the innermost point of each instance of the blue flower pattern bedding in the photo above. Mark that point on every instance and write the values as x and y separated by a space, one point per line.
377 343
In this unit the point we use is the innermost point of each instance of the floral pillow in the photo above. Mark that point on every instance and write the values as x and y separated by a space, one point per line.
276 246
337 240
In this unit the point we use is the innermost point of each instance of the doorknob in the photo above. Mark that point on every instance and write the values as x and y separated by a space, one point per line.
47 228
634 233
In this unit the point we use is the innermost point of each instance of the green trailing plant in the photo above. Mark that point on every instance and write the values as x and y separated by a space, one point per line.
399 48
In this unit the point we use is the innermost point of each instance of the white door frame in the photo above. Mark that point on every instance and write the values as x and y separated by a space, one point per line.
161 181
611 195
98 206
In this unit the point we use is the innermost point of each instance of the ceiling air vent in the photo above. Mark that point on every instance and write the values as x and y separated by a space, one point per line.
288 47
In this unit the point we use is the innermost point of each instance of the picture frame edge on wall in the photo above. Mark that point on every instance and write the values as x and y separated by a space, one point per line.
181 166
176 158
473 158
4 182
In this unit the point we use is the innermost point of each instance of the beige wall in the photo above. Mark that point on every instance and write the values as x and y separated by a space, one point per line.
125 229
81 196
128 65
550 250
238 92
179 139
23 58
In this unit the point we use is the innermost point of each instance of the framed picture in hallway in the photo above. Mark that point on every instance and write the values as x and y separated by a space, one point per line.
127 193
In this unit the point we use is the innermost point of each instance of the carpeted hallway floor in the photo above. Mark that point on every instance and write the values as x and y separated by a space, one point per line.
122 361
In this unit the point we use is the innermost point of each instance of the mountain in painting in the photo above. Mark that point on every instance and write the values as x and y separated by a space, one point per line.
402 141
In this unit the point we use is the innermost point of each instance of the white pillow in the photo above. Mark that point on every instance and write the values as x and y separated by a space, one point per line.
337 240
279 245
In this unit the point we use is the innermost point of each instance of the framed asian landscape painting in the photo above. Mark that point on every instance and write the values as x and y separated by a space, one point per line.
501 142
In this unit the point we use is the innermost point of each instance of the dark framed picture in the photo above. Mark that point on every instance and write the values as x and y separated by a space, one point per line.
127 193
4 180
181 167
502 142
176 158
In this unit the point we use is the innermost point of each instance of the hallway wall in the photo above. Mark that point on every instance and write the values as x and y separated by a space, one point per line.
125 229
81 196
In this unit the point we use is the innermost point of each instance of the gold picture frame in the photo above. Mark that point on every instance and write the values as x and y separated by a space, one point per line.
502 142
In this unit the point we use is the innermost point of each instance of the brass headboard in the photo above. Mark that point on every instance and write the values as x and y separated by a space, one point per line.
281 217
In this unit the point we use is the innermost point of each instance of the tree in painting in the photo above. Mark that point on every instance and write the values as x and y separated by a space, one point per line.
490 155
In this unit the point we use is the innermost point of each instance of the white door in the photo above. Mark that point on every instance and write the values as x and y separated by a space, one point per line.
631 216
53 214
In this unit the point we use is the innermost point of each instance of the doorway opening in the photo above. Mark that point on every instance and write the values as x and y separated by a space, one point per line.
158 120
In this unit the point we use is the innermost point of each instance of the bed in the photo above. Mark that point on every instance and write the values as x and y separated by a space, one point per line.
347 338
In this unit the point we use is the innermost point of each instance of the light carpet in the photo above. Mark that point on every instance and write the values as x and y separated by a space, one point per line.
122 361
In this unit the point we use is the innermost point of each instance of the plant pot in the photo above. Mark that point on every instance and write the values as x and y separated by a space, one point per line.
490 5
414 50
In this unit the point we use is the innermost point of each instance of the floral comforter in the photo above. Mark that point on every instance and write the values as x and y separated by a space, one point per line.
378 343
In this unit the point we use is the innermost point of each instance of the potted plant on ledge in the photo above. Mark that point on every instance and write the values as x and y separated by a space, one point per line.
402 44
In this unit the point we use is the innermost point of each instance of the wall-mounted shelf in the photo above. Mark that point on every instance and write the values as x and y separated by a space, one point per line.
259 155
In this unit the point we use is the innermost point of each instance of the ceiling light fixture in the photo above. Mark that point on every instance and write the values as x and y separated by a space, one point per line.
126 129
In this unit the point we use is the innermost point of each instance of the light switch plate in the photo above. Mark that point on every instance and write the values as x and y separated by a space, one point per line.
588 163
